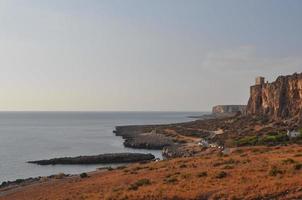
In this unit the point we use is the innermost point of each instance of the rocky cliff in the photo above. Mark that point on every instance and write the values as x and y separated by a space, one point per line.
281 99
228 109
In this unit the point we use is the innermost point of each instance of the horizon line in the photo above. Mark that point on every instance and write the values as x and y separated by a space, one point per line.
102 111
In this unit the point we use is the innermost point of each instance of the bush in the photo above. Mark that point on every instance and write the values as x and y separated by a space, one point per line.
275 171
121 167
18 181
171 180
183 166
298 166
133 187
239 151
281 137
4 183
110 168
143 182
221 174
202 174
231 161
139 183
59 176
274 138
247 141
185 176
269 139
83 175
228 167
288 161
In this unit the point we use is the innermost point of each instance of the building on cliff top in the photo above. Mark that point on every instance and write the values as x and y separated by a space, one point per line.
260 80
280 99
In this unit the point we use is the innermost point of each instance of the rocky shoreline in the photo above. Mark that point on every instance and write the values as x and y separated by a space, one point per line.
112 158
230 140
27 181
154 137
143 137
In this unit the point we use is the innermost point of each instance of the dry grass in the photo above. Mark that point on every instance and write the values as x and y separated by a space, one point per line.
262 173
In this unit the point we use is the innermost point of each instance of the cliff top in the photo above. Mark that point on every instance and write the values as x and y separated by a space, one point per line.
281 99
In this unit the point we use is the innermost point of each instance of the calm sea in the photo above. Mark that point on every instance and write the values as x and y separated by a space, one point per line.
28 136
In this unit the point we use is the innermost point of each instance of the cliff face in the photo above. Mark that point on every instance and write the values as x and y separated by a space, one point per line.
229 108
281 99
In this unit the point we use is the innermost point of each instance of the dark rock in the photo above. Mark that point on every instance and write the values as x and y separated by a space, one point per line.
19 182
144 136
148 141
97 159
31 180
175 151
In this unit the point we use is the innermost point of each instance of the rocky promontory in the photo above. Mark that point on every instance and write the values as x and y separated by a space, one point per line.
97 159
224 109
144 136
281 99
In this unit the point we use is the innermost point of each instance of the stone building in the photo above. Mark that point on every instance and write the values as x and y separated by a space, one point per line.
260 80
280 99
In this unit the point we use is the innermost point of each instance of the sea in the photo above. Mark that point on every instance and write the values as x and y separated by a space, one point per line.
26 136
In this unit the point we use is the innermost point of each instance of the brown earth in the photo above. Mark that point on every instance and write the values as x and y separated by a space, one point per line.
246 173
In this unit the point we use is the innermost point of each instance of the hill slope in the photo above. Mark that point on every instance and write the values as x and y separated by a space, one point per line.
246 173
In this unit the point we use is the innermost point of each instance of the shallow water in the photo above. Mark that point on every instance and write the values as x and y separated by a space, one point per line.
28 136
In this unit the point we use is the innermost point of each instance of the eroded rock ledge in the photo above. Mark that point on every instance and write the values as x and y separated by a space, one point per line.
97 159
144 136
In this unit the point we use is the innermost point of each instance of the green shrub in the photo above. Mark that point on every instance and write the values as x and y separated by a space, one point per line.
142 182
185 176
183 166
202 174
83 175
18 181
298 166
268 139
133 187
288 161
274 138
171 180
121 167
110 168
139 183
247 141
282 137
4 183
221 174
275 171
231 161
239 151
228 167
246 161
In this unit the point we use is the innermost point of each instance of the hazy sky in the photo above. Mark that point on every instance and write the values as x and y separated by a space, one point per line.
143 54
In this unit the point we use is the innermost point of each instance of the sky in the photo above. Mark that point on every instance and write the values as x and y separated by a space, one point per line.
143 55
